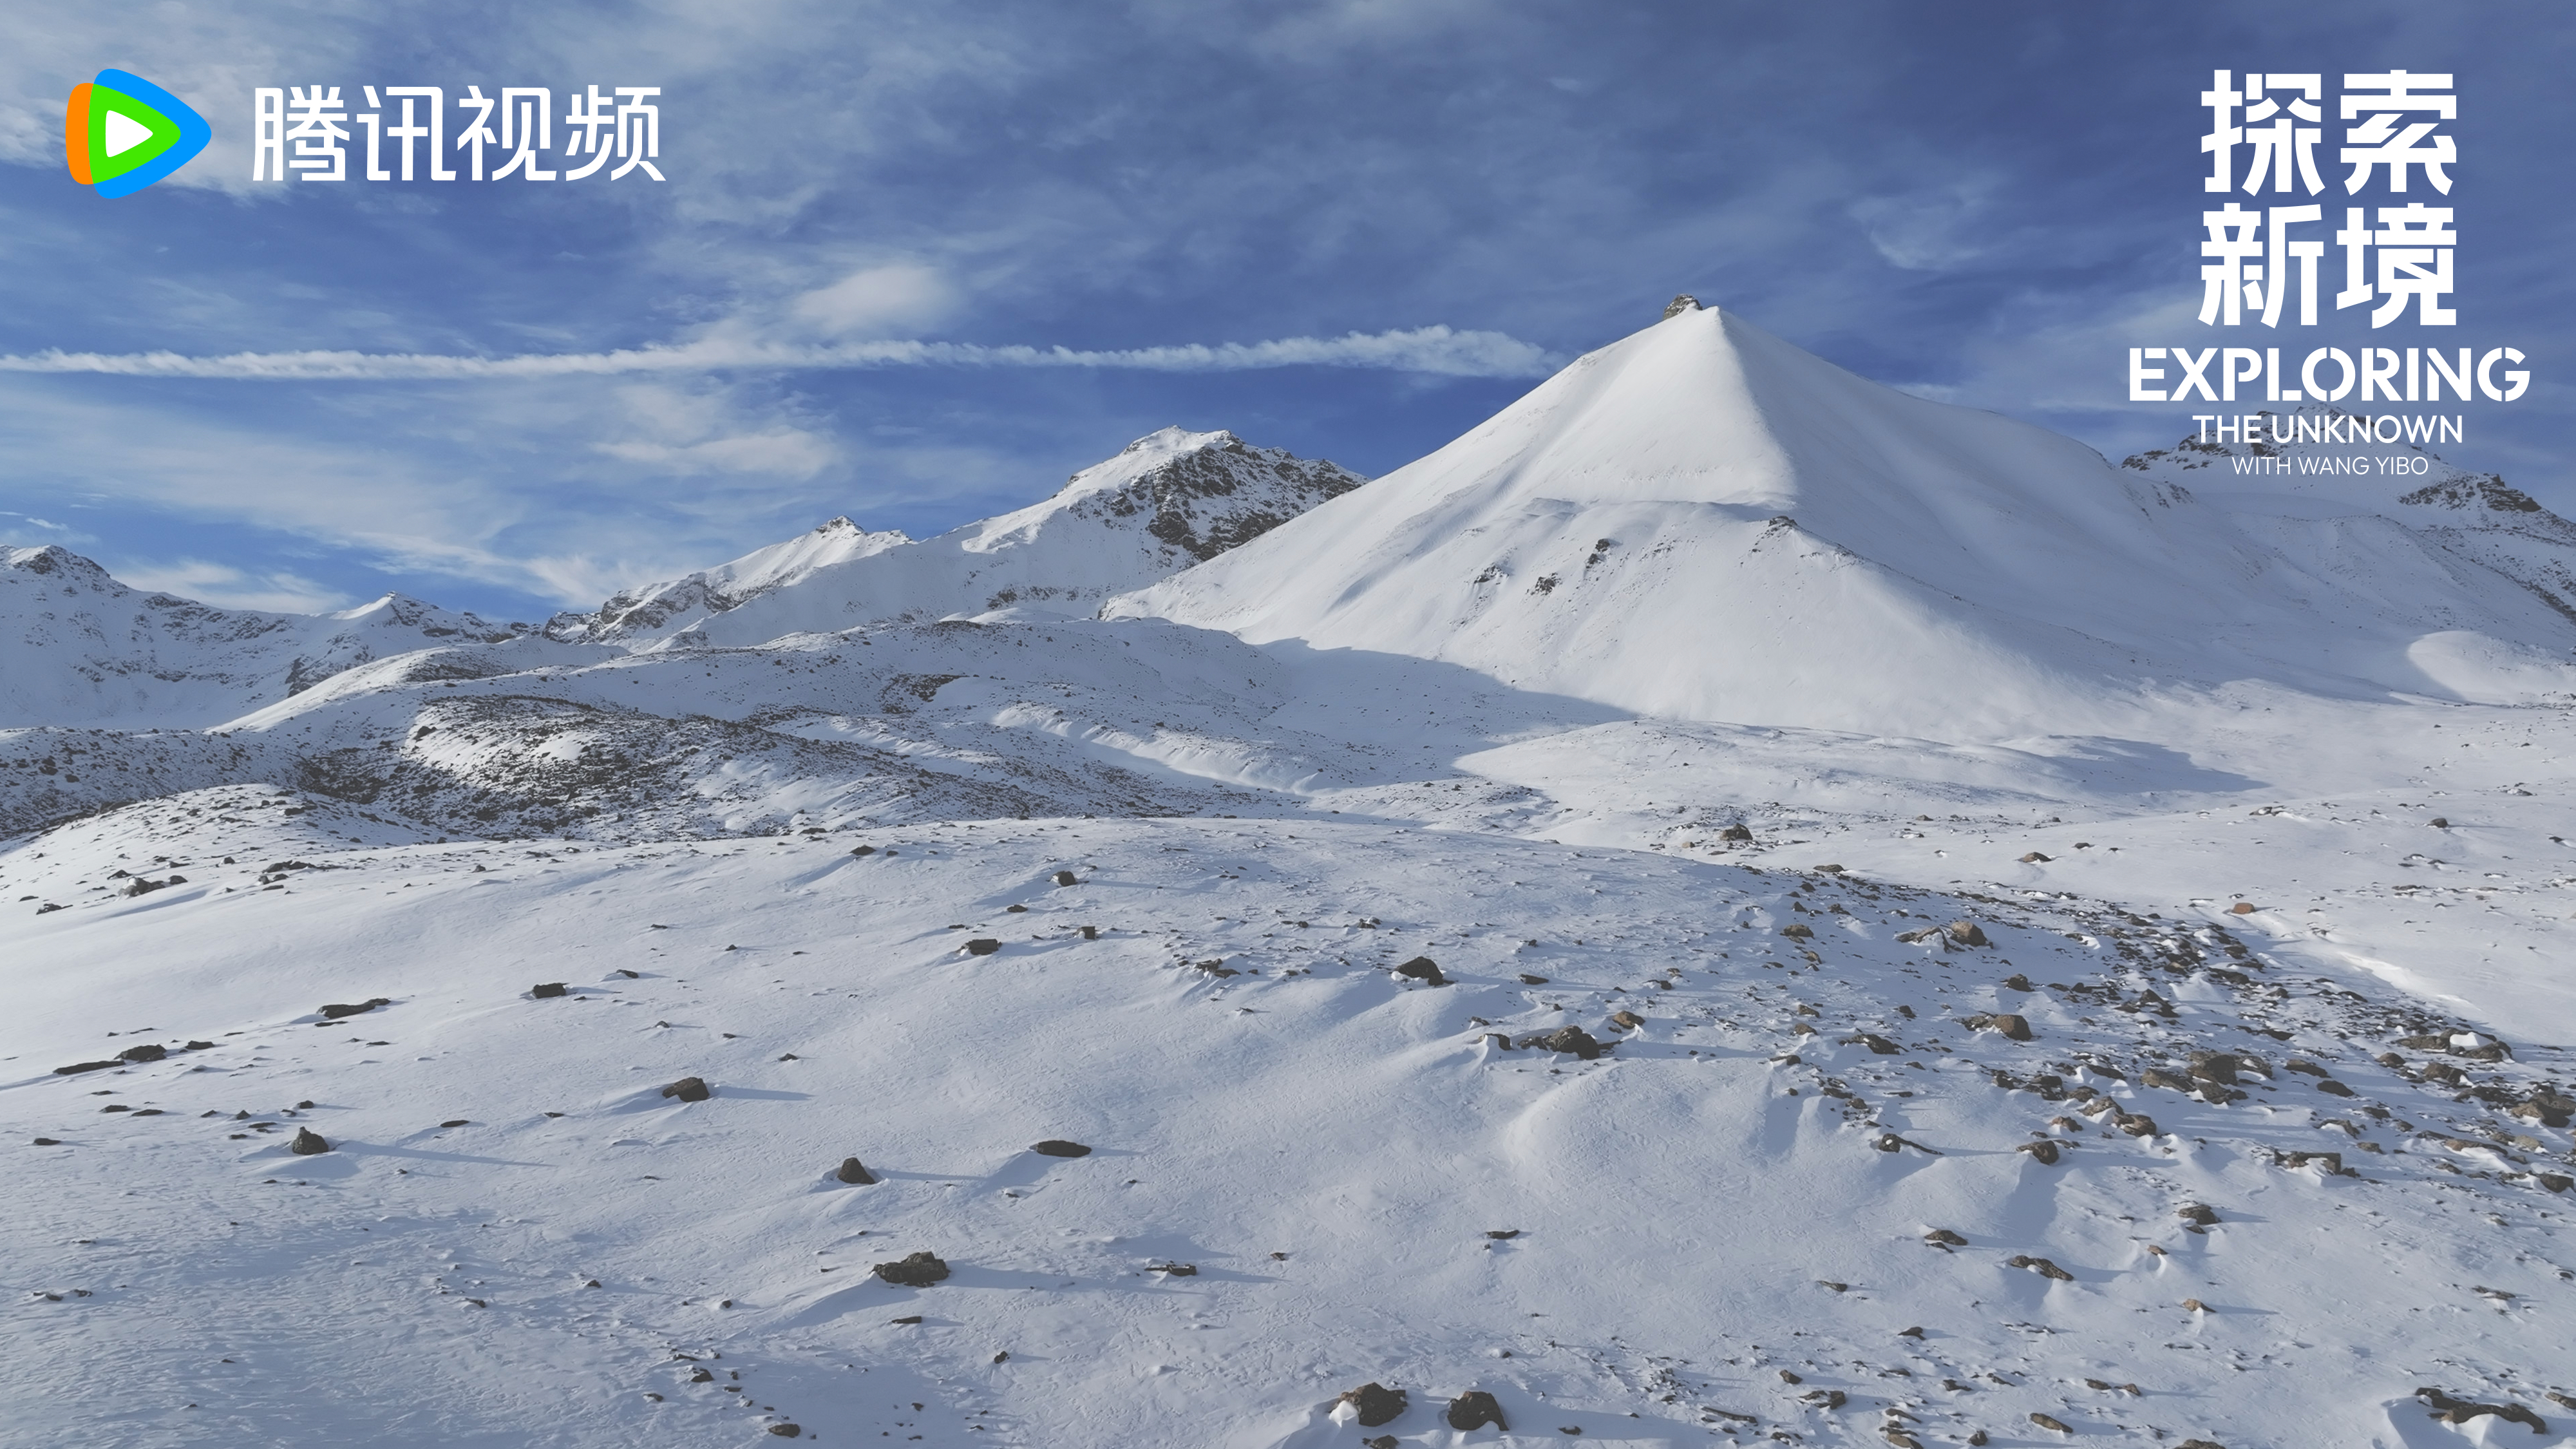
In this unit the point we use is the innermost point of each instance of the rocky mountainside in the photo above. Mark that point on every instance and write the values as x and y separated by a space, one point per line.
2477 516
77 647
1166 501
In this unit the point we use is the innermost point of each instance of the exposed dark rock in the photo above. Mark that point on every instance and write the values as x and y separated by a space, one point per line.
1376 1403
1735 832
2043 1151
1423 969
865 850
2460 1411
1475 1409
1797 932
2333 1088
854 1174
1529 980
544 989
76 1068
1685 302
785 1431
2159 1077
1015 910
982 946
2197 1215
1058 1147
201 1046
1571 1039
1627 1020
913 1270
307 1143
337 1010
2017 982
1066 878
49 1142
689 1089
2332 1162
1943 1237
1966 933
457 1122
146 1053
2045 1422
1175 1270
1877 1044
2136 1124
2034 858
1091 933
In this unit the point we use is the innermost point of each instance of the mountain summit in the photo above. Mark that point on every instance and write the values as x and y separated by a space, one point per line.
1168 500
1702 521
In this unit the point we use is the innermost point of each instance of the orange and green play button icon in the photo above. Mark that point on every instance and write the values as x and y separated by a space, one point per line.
121 133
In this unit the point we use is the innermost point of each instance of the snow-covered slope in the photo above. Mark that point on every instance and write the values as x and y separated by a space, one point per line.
2476 515
1168 500
77 647
1703 522
1817 1189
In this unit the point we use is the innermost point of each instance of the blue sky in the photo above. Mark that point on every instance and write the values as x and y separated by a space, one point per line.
1986 203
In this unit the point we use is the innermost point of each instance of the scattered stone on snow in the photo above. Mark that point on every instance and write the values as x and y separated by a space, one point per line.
851 1172
1944 1238
1423 969
1627 1020
982 946
689 1089
2042 1266
2451 1410
1573 1040
2043 1152
1529 980
1066 878
2045 1422
307 1143
1475 1409
1374 1403
546 989
337 1010
1966 933
913 1270
1058 1147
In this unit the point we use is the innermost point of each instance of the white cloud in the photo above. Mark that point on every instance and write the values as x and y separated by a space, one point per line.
1437 349
230 588
872 300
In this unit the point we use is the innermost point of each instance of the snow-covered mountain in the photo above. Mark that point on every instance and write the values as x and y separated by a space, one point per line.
2475 515
1727 906
1168 500
1701 521
77 647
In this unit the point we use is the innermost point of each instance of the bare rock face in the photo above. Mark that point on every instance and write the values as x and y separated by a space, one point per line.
1375 1403
308 1143
689 1089
854 1174
1966 933
913 1270
1680 304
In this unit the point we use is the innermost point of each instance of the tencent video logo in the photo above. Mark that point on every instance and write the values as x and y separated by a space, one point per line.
121 133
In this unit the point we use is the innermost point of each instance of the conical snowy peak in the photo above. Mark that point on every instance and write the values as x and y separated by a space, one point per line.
1703 521
1166 501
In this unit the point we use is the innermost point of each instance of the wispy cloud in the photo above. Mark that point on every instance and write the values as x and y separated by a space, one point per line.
228 587
1436 349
